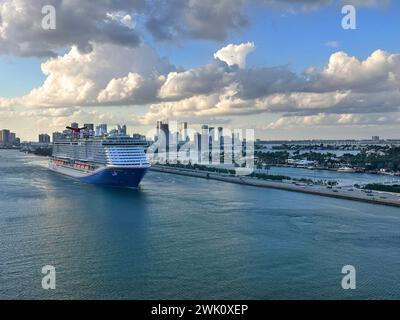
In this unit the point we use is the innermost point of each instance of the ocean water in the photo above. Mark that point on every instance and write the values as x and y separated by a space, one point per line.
186 238
343 178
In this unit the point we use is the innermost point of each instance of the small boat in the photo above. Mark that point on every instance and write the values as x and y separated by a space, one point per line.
346 169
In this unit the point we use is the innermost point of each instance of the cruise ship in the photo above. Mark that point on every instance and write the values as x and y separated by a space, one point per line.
114 160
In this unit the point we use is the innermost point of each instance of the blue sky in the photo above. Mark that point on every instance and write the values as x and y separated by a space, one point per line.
281 38
295 40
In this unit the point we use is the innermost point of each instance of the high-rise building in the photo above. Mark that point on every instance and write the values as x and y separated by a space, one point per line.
375 138
101 129
89 126
184 132
44 138
205 144
13 137
121 129
75 125
57 136
157 131
211 137
164 135
221 136
197 146
5 137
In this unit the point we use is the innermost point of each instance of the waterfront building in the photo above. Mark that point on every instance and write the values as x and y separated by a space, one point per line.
57 136
184 132
121 130
221 136
205 144
197 147
164 136
75 125
13 137
44 138
89 126
101 130
5 137
211 132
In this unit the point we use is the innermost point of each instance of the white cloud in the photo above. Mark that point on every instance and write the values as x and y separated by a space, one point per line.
78 78
137 77
123 18
235 54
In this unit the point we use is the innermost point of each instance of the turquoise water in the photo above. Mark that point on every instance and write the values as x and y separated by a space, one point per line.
180 238
343 178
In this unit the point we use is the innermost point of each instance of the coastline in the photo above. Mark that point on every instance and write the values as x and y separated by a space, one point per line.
355 195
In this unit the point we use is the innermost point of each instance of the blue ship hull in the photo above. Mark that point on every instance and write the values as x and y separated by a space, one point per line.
117 177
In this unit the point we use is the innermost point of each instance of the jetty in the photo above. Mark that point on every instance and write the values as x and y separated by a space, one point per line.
346 193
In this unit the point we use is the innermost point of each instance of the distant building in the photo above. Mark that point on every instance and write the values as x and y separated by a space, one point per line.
197 146
121 130
376 138
158 130
205 144
57 136
113 132
164 136
75 125
101 129
184 132
211 135
13 138
5 137
89 126
221 136
44 138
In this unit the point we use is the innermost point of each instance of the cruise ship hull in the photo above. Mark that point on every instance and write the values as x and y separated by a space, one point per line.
126 177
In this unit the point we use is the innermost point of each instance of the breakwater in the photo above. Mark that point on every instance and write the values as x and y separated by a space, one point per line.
347 194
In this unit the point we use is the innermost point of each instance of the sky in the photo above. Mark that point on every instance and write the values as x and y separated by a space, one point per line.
287 69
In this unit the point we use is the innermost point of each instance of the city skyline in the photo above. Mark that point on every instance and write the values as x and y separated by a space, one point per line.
242 67
183 130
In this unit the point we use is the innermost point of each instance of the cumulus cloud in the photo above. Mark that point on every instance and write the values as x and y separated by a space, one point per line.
203 80
345 85
135 76
82 23
235 54
107 75
379 72
322 120
205 19
78 23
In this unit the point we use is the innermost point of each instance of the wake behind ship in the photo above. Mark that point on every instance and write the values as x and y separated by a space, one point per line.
114 160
